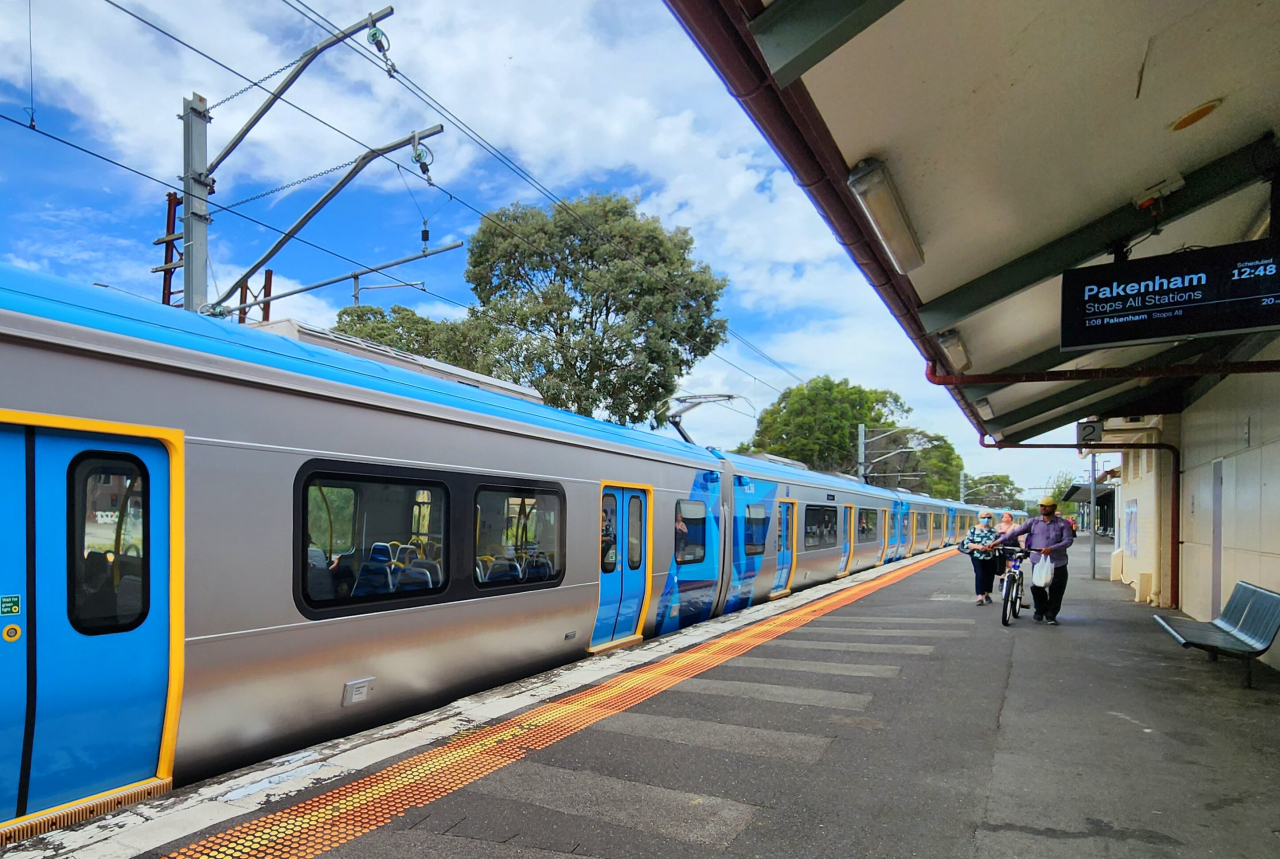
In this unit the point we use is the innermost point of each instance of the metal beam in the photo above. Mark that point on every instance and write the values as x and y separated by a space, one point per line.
304 61
361 162
796 35
331 281
1243 350
1138 392
1210 183
1079 392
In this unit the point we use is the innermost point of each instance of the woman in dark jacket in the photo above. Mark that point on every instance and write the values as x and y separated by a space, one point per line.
984 561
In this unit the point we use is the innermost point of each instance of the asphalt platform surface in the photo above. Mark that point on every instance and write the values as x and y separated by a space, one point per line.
907 724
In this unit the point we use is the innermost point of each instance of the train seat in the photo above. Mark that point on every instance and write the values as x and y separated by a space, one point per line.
421 575
319 577
503 570
538 569
376 573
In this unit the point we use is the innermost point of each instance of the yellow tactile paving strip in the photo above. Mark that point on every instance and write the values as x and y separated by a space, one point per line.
342 814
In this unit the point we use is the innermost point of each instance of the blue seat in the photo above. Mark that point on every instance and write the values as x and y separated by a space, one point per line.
538 569
378 574
421 575
503 570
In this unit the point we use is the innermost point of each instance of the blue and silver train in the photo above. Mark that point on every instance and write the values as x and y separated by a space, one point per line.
222 544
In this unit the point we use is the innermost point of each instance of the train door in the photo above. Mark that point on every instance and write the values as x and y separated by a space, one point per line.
624 565
91 621
786 549
846 555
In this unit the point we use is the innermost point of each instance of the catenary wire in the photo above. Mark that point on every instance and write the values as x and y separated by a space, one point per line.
31 67
141 174
366 146
415 89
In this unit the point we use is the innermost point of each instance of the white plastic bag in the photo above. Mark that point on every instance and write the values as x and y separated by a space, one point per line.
1042 572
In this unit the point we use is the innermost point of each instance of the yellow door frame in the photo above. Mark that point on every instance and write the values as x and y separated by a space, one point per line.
638 635
175 444
795 548
850 531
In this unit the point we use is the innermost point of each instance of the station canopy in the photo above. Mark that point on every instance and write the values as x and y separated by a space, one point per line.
1023 138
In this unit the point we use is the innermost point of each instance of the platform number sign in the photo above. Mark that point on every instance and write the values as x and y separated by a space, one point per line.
10 605
1089 432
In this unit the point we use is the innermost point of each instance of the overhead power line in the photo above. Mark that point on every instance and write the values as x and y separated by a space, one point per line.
353 139
415 89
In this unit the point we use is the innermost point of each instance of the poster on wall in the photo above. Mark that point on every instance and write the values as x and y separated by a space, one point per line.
1131 529
1191 293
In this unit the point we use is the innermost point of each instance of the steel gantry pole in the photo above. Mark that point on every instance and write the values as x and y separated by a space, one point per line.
1093 515
195 202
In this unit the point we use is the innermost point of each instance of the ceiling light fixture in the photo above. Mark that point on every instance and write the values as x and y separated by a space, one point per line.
1189 119
878 197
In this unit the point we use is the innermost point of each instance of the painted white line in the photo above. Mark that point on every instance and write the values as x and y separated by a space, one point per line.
129 832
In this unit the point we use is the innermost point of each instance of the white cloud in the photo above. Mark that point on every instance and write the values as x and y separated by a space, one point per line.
584 93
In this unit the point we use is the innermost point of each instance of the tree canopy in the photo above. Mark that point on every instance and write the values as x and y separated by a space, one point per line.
817 423
600 309
993 490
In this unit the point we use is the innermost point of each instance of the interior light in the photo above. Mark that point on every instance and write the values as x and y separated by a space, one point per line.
954 347
1189 119
879 200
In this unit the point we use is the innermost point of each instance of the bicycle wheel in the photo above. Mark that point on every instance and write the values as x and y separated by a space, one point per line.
1009 601
1017 597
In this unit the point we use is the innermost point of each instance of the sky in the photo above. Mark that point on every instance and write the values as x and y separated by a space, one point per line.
585 95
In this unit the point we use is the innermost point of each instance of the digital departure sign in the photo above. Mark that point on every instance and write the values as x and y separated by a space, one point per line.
1219 290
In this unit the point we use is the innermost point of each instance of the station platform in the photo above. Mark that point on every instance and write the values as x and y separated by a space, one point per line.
884 716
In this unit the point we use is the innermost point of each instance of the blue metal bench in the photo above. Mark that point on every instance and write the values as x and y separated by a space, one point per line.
1245 630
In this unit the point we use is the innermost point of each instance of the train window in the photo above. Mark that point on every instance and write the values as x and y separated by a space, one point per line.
108 568
371 540
756 529
820 528
609 533
691 532
786 512
868 526
518 536
635 533
922 524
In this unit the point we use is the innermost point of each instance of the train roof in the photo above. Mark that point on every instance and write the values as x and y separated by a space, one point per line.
115 312
791 474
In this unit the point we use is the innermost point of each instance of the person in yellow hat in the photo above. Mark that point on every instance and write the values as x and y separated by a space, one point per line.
1047 534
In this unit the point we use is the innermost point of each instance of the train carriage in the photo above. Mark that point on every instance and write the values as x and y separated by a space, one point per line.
228 544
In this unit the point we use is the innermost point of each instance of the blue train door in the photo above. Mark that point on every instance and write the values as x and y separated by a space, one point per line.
93 617
786 549
624 566
14 605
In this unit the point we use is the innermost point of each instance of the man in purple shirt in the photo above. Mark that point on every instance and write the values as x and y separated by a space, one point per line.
1046 535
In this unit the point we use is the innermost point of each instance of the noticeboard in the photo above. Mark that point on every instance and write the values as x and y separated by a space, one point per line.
1219 290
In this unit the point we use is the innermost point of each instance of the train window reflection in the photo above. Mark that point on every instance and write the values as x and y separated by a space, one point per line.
820 529
868 526
518 536
609 533
109 568
922 524
755 529
635 533
370 540
691 532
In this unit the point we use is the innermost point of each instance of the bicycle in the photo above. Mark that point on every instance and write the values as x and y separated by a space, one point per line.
1011 590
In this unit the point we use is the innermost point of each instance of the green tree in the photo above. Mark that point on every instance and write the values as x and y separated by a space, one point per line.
467 343
590 329
993 490
817 423
1057 487
916 461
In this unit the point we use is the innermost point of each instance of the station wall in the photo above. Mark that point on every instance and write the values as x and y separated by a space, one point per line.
1143 513
1237 422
